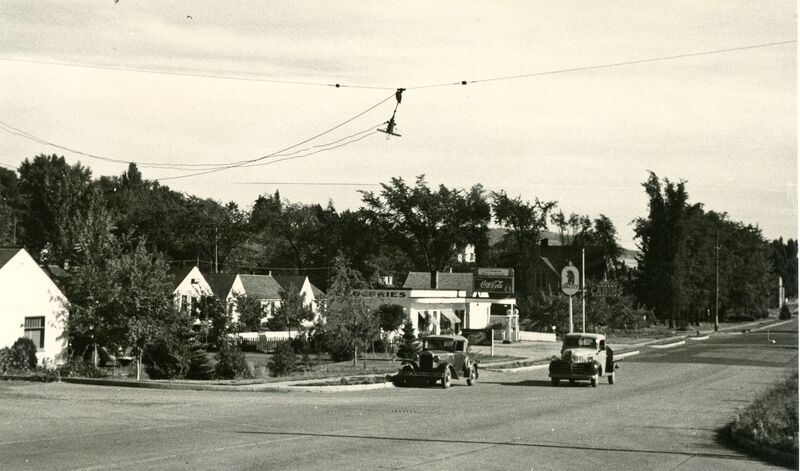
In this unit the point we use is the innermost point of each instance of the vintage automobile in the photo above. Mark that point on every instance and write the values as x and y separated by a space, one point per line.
443 357
583 357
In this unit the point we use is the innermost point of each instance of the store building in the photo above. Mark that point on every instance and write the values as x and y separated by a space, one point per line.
459 301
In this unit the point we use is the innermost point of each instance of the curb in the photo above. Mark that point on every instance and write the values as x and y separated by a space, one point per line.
771 325
283 388
627 354
619 356
704 337
670 345
769 454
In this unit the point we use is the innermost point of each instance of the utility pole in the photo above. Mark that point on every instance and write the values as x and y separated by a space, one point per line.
583 287
716 303
216 256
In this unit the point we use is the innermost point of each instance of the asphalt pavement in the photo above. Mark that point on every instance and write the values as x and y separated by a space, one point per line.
660 415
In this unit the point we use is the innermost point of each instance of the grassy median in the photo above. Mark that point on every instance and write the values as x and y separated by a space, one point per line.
771 420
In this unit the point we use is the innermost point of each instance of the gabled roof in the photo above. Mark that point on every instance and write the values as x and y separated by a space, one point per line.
7 253
220 283
261 286
451 281
179 274
297 281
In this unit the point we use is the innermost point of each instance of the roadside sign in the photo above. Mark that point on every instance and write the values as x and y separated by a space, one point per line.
570 282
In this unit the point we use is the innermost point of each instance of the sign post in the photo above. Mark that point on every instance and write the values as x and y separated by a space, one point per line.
570 285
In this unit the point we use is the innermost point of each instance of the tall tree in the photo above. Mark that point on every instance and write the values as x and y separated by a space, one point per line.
525 222
53 193
429 225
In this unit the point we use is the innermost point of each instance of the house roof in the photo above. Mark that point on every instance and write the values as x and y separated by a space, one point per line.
287 281
179 274
452 281
220 283
261 286
7 253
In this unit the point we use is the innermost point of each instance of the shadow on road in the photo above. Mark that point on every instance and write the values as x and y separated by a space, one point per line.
428 440
527 382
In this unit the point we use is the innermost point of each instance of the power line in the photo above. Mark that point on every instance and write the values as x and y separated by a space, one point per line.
418 87
190 74
218 167
309 183
603 66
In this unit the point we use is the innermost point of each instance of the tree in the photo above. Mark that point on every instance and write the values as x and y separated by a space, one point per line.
216 230
251 311
349 323
430 226
604 234
525 222
52 193
390 317
409 347
291 312
214 319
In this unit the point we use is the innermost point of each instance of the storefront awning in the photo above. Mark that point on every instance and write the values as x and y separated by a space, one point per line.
450 316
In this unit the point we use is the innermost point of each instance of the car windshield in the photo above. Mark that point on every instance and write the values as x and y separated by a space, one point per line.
438 344
580 342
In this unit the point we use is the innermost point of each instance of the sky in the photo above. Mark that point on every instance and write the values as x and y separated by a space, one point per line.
562 102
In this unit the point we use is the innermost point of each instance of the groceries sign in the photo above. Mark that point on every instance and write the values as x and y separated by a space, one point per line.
494 280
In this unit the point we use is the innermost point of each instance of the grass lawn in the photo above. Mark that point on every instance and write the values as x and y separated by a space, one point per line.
771 420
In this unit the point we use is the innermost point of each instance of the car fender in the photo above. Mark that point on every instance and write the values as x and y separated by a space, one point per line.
449 366
408 364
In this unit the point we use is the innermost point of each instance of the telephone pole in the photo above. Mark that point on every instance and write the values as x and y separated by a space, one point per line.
716 302
216 256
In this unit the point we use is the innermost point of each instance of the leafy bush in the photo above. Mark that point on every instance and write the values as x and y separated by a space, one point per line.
199 365
380 345
785 312
409 347
166 360
283 361
771 419
78 367
26 351
230 361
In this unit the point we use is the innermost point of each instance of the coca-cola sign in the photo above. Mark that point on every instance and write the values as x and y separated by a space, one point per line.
494 284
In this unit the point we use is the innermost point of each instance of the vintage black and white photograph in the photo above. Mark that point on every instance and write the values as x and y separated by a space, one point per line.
350 235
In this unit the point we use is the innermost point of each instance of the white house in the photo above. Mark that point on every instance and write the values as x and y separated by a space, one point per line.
191 286
31 305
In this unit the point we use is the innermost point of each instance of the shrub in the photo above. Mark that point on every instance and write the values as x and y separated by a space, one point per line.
25 350
283 361
409 347
380 345
771 419
199 365
785 312
230 361
77 366
166 361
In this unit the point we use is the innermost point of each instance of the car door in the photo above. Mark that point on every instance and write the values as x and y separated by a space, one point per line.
459 354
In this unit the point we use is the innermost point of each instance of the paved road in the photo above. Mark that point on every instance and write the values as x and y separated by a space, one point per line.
661 415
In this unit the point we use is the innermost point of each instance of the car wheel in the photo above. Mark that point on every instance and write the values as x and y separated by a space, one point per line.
473 377
594 381
446 379
555 381
611 378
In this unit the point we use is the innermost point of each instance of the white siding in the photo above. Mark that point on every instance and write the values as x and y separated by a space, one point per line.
27 291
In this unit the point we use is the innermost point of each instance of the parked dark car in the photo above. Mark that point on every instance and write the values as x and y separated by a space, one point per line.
443 358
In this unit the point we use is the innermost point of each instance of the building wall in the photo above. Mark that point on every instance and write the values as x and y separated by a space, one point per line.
191 290
27 291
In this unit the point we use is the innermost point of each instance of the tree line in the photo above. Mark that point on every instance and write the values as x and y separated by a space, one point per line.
61 213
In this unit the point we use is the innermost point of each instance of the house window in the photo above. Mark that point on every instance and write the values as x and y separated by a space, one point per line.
183 303
34 330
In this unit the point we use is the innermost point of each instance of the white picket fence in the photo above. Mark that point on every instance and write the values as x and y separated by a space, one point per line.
537 336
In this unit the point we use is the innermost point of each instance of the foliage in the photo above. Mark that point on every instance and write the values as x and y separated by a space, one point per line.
250 312
784 262
429 226
230 361
166 359
25 350
681 245
785 313
199 366
350 326
283 360
215 229
409 346
772 419
525 221
390 317
79 367
214 320
291 312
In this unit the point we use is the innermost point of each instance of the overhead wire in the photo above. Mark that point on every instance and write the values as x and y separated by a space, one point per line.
206 172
